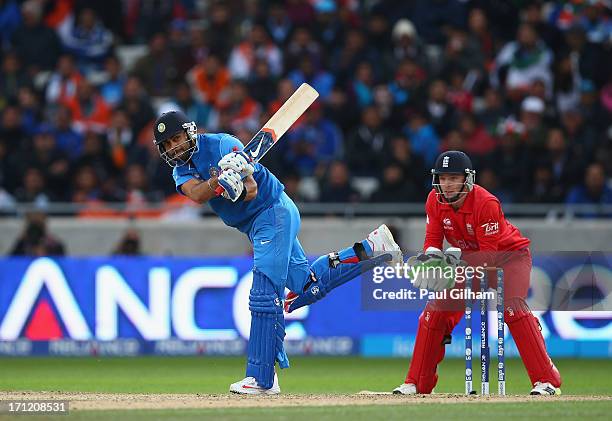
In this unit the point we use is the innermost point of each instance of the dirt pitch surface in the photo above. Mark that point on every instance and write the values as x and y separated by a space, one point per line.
120 401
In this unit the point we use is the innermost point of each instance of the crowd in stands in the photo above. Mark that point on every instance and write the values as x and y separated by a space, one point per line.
524 87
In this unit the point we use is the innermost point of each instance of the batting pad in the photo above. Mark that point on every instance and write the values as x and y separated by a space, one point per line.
267 332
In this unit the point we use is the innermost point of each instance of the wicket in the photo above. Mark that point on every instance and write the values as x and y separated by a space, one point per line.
484 337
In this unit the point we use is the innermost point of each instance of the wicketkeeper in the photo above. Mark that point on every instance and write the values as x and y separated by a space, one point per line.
471 219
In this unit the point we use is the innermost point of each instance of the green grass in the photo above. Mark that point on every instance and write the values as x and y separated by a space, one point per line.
307 375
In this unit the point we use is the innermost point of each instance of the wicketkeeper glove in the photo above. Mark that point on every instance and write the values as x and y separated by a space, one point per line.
437 269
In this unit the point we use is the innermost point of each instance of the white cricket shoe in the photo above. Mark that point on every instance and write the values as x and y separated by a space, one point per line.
405 389
381 240
249 386
544 389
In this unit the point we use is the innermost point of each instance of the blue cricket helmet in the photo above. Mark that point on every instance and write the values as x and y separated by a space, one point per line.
453 162
168 125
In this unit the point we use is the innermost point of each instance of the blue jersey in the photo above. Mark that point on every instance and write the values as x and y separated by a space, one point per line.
203 165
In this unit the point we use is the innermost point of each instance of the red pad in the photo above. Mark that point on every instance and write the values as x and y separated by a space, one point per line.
429 347
526 331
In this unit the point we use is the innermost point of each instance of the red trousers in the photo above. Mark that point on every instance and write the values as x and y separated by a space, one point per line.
440 317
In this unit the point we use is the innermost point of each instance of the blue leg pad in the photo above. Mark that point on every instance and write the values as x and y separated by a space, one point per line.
267 332
324 278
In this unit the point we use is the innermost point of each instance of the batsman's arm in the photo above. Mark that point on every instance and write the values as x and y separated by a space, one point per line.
250 186
200 191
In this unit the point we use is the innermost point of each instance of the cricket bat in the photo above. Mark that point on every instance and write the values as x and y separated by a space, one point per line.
278 124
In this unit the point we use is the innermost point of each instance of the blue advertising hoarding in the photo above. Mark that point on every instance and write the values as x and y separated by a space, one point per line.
180 306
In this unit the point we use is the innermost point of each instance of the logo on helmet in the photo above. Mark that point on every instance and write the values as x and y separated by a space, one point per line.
445 161
161 127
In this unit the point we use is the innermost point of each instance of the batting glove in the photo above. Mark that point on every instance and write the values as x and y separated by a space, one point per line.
237 161
231 181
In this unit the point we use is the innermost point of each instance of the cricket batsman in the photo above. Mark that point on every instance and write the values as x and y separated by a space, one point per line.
471 219
254 202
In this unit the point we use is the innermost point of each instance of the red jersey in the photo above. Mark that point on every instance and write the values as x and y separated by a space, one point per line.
478 225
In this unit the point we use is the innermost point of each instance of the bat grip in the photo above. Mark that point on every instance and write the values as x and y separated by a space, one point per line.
219 190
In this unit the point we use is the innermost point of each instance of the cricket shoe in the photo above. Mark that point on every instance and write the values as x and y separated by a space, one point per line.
405 389
381 241
544 389
249 386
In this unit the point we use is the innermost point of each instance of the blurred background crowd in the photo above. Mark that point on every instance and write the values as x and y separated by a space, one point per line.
524 87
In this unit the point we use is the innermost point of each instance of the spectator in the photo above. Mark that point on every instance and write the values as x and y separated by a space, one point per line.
593 191
478 143
12 78
194 109
85 185
303 45
488 179
221 33
278 23
145 18
241 110
336 186
341 110
462 53
394 188
256 45
11 129
480 34
10 19
522 61
407 85
532 110
423 138
64 81
362 86
321 80
129 244
68 140
441 113
87 39
365 145
407 45
493 111
33 189
584 138
354 50
565 166
88 109
9 174
432 18
35 240
50 160
137 105
97 156
262 85
209 79
541 188
315 143
137 187
157 70
112 87
38 47
412 166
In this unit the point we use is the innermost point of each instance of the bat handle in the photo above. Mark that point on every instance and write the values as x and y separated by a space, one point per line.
219 190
